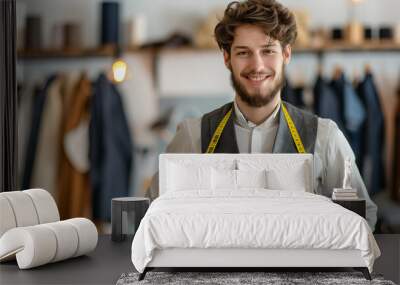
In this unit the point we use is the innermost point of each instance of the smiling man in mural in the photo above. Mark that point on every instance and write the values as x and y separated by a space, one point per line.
256 38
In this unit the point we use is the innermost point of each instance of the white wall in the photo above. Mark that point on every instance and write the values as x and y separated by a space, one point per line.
166 16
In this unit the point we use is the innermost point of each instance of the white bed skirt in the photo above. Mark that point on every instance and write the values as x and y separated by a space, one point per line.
193 257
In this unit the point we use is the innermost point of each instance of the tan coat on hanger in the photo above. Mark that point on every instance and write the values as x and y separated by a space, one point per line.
44 173
75 199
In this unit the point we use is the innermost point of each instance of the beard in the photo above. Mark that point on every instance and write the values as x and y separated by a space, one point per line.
259 98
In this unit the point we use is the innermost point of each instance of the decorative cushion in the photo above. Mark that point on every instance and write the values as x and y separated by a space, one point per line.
282 174
223 179
251 179
183 178
226 179
293 180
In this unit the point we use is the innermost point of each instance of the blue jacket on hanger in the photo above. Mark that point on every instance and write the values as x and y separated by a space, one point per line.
110 148
292 95
373 139
352 113
326 104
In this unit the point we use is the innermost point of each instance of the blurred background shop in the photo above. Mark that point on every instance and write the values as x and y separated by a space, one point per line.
102 86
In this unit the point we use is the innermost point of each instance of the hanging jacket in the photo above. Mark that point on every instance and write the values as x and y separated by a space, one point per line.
74 194
110 148
373 136
292 95
352 113
32 143
326 104
26 95
44 173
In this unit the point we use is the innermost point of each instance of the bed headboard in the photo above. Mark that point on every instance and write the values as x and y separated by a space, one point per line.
282 163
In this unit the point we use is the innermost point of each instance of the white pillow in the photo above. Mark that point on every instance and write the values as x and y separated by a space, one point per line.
282 174
235 179
251 178
223 179
181 177
291 180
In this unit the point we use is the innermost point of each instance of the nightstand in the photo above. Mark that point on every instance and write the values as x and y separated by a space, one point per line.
126 214
357 205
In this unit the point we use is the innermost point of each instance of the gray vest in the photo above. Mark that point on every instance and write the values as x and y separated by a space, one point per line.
306 124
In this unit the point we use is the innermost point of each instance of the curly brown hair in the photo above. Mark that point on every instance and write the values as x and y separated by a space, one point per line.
275 20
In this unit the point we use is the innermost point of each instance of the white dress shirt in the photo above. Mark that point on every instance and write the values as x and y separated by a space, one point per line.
252 138
331 150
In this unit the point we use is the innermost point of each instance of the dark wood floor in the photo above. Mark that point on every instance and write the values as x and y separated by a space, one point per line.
389 262
110 260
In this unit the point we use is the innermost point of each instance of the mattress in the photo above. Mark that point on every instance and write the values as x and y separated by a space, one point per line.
251 219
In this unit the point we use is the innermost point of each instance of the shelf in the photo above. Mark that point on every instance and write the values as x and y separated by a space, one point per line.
382 46
110 51
66 53
327 48
338 46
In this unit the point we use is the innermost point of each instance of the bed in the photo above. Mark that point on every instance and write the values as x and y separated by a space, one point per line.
247 211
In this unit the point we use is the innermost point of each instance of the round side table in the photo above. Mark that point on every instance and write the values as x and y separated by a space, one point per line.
126 214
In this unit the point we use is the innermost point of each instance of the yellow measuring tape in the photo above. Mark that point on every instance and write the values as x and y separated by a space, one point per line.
293 131
217 134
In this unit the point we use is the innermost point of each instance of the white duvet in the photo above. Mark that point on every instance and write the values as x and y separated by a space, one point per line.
253 218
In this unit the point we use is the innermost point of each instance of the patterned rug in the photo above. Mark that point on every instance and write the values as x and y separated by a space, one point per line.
229 278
